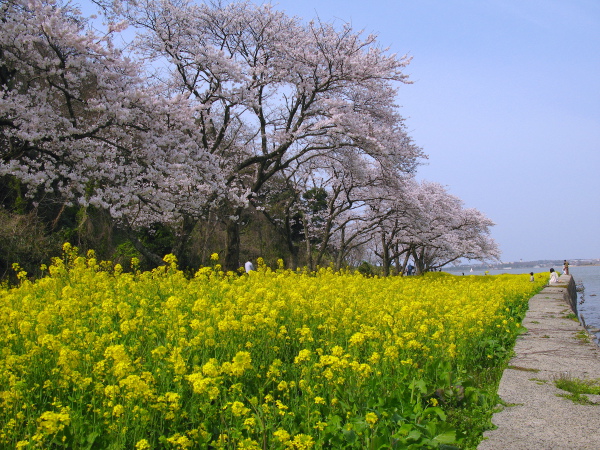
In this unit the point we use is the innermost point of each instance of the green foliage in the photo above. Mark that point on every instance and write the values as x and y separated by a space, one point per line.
577 389
124 253
583 336
23 239
524 369
316 199
366 269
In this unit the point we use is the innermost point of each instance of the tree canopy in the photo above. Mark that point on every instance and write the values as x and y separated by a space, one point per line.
230 114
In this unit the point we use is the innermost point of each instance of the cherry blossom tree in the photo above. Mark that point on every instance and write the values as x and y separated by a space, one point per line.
270 92
351 181
80 119
433 227
221 107
392 209
330 196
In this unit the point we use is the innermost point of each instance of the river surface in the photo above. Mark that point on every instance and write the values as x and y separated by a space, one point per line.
586 277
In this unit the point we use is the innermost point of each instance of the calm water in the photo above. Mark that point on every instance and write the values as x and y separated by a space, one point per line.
588 276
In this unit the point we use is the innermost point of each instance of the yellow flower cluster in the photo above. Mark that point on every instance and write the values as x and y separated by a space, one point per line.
291 360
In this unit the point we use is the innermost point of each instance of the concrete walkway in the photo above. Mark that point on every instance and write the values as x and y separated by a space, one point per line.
554 346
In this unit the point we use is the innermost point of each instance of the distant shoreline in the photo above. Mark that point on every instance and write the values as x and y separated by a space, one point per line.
523 265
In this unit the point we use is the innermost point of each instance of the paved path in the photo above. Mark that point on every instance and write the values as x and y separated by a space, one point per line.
535 417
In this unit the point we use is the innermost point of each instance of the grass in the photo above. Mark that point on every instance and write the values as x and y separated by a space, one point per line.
504 404
583 336
474 418
578 389
571 316
524 369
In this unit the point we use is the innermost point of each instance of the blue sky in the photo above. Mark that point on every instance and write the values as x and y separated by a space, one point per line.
506 103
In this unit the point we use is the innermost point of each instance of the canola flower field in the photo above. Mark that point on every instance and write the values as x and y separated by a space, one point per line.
95 357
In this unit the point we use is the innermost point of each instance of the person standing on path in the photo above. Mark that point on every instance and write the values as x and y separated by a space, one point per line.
566 268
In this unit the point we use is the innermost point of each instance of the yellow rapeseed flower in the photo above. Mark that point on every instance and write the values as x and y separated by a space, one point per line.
143 444
134 352
371 418
238 409
282 435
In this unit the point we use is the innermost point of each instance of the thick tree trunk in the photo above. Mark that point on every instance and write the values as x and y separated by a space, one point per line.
293 249
183 236
294 260
419 262
208 225
232 251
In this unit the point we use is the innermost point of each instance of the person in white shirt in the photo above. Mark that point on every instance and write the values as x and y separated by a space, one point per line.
248 266
553 277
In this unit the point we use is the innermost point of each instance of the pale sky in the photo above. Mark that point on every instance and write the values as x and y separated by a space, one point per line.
506 103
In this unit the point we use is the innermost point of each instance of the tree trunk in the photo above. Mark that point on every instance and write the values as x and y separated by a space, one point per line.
405 263
309 260
140 247
293 249
294 260
341 251
397 267
182 238
326 236
385 256
232 250
419 262
208 225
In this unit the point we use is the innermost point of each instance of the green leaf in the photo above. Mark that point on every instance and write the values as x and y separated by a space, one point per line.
414 435
397 418
434 410
334 422
445 438
91 439
350 436
419 385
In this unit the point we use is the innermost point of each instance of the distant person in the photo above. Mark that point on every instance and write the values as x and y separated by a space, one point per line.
531 277
248 266
409 269
553 277
566 267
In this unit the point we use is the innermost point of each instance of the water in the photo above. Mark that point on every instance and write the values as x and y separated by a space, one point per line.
588 299
589 276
